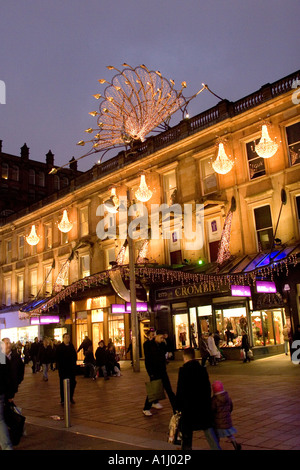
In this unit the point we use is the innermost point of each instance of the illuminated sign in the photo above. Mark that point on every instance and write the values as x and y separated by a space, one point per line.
121 308
265 287
243 291
44 320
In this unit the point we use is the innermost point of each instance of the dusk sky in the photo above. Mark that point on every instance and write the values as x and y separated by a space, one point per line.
53 53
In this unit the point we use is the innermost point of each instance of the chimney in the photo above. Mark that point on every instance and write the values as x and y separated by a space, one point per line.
50 158
73 164
24 152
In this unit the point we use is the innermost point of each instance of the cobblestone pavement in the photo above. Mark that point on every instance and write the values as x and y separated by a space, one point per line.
108 414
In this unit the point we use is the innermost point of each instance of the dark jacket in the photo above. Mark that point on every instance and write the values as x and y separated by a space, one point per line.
34 349
222 407
45 354
193 397
3 378
100 357
86 343
66 358
245 343
89 358
15 371
155 360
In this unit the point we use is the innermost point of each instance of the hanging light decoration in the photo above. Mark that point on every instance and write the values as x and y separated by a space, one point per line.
222 164
33 238
266 148
65 225
112 204
143 194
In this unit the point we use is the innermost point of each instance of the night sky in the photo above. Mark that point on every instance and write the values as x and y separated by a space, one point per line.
53 53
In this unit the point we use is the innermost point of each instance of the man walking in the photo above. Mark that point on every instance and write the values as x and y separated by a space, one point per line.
5 442
66 358
156 366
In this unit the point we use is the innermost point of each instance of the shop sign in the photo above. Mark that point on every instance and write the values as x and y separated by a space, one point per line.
242 291
44 320
172 293
121 308
265 287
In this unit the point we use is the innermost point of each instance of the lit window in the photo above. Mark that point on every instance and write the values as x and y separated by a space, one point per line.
20 288
7 291
4 172
170 188
256 164
8 251
48 279
84 266
264 228
84 221
21 247
293 140
48 236
208 177
33 283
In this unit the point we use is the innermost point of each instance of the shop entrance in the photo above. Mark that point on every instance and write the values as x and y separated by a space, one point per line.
81 332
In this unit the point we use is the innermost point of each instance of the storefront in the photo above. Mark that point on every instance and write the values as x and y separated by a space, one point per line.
16 329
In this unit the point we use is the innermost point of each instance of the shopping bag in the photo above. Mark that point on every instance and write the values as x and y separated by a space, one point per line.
155 390
243 354
250 354
175 436
15 422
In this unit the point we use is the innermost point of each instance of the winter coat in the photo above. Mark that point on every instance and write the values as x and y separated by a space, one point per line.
45 354
212 346
15 371
245 343
66 360
155 359
203 347
193 397
100 357
222 407
89 358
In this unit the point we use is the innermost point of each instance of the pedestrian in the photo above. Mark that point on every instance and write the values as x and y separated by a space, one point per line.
90 364
193 401
86 343
222 409
286 338
156 366
34 352
245 346
112 365
45 357
203 348
5 441
16 369
213 351
66 363
26 352
101 359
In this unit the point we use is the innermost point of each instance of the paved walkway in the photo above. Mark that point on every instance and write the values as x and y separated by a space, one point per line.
265 396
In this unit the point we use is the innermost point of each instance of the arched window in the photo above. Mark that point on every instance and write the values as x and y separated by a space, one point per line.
31 176
15 173
41 181
56 183
4 172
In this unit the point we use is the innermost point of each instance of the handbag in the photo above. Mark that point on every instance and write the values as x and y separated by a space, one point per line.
15 422
175 436
155 390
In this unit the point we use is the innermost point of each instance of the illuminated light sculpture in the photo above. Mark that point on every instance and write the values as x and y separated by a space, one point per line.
143 193
222 164
143 253
65 225
266 148
33 238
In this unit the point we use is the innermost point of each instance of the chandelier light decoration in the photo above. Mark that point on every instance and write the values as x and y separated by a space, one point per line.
143 194
266 148
222 164
33 238
65 225
136 102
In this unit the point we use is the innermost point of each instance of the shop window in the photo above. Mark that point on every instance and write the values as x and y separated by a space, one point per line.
264 229
81 331
181 329
205 320
84 221
20 288
231 322
256 164
208 177
84 266
116 332
293 140
170 188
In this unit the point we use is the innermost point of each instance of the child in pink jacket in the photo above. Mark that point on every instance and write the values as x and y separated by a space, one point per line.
222 408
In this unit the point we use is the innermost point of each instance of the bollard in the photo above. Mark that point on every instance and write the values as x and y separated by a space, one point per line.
67 402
